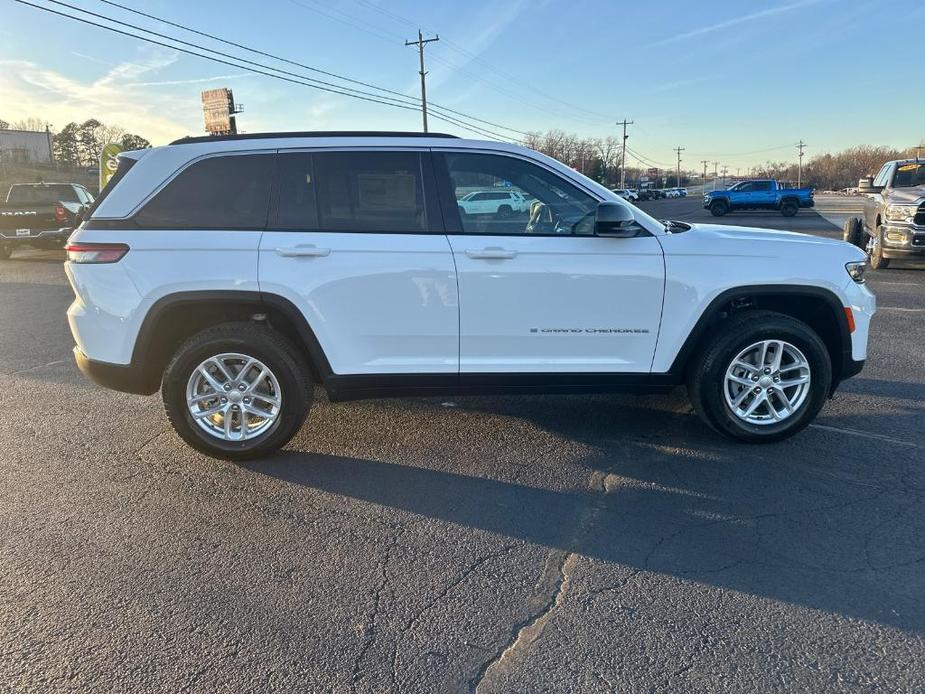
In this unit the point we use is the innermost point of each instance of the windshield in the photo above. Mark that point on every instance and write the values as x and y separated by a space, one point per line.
909 175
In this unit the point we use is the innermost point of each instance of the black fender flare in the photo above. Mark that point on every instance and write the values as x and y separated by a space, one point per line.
715 308
253 300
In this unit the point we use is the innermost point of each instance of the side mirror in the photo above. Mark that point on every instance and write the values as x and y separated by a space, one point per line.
866 186
615 220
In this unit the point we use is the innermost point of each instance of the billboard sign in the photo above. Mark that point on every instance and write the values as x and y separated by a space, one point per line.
217 110
109 162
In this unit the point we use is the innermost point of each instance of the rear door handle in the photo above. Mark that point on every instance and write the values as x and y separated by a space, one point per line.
492 253
303 252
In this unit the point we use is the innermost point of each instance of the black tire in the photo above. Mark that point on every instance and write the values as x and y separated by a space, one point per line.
6 250
877 261
718 208
505 212
707 372
853 233
253 340
789 208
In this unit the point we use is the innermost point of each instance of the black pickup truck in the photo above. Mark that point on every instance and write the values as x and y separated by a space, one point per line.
40 215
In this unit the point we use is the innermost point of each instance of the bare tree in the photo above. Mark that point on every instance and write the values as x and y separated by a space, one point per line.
34 124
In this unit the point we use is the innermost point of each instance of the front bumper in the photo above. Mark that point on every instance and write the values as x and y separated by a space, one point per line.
903 240
127 378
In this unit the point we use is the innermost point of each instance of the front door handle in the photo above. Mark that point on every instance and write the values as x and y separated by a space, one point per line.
303 252
492 253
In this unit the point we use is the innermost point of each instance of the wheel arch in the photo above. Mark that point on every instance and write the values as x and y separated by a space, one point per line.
176 317
818 307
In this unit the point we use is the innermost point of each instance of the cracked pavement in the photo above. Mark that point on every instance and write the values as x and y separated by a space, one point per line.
521 544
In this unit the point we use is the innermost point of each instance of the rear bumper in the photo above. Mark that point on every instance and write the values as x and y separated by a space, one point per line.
127 378
36 236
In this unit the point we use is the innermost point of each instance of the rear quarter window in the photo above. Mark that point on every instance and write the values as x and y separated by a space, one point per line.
222 192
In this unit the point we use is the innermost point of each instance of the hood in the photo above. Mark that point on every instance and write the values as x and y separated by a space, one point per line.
751 234
905 196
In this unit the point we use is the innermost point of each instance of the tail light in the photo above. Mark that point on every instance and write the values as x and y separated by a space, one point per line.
87 253
60 213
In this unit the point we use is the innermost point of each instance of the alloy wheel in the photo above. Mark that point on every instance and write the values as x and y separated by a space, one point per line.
233 397
767 382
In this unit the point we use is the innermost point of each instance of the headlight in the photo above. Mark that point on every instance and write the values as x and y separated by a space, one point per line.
856 270
901 213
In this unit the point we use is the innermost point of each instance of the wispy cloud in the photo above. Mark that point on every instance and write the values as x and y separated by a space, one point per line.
719 26
677 84
116 97
198 80
491 21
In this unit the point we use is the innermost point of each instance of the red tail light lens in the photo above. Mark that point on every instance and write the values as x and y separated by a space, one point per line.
60 214
86 253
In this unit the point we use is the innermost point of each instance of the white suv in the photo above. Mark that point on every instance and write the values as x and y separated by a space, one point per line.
234 273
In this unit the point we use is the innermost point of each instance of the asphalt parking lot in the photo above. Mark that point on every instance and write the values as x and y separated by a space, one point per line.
498 544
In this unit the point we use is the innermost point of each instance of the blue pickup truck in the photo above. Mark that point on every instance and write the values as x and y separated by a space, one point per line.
758 195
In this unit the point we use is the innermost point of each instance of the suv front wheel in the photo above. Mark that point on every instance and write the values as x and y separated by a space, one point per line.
236 391
763 378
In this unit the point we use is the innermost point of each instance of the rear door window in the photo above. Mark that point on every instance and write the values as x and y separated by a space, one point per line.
368 192
223 192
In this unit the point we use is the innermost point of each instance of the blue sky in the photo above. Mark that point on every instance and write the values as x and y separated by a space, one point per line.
738 82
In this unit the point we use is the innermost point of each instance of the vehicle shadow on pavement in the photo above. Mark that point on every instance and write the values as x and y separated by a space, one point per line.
789 522
903 390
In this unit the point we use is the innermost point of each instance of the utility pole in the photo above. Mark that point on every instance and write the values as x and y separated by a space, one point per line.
420 43
704 179
918 150
715 164
725 171
624 123
800 147
679 150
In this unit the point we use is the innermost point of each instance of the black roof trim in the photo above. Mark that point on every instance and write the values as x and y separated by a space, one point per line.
317 133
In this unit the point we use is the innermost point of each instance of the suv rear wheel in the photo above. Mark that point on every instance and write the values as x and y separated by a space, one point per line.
763 378
236 391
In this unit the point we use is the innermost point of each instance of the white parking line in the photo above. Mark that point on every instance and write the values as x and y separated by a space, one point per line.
865 434
899 308
894 284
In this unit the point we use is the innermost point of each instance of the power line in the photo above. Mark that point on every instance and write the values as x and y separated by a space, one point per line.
213 37
322 85
203 48
644 159
478 59
304 81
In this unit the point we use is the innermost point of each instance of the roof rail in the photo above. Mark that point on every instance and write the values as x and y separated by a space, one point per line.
317 133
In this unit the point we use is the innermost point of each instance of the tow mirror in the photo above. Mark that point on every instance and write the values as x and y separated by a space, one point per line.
866 186
615 220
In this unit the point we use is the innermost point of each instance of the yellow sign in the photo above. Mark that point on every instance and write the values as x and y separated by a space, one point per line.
109 162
